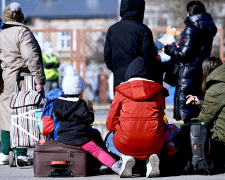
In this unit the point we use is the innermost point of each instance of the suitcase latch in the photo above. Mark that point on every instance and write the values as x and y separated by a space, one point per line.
70 154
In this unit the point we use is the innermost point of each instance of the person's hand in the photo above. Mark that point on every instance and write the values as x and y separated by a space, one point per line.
170 48
39 87
192 100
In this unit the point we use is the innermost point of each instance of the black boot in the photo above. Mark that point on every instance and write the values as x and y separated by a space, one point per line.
199 144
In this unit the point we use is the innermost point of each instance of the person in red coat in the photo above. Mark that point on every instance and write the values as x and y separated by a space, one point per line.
135 119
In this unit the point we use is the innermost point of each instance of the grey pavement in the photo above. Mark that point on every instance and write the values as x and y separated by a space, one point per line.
14 173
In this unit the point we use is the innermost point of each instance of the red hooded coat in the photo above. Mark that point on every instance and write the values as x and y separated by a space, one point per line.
136 117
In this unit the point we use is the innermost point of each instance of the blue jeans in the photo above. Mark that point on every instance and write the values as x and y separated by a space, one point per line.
110 146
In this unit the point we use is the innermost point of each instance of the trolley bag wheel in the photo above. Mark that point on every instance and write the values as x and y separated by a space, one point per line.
11 159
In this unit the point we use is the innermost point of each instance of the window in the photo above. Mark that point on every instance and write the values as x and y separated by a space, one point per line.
63 41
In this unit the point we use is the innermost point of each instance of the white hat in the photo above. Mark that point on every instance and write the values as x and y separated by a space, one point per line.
72 83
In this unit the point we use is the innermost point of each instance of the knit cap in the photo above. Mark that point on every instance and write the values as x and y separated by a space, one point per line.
137 68
72 83
13 12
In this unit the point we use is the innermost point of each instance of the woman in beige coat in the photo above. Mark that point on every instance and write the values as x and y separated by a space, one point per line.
18 49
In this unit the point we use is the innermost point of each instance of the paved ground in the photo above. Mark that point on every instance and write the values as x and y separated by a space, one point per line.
14 173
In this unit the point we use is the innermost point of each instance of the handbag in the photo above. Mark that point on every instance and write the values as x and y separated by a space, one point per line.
171 74
24 104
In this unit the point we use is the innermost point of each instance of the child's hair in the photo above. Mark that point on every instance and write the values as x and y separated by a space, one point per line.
208 66
195 7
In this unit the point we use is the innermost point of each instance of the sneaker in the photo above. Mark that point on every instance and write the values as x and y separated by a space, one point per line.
4 159
26 159
116 167
127 165
152 165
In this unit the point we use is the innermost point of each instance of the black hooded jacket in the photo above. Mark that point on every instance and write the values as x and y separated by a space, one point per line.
194 46
74 118
128 39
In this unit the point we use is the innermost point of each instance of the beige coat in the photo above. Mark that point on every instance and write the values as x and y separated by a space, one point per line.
17 49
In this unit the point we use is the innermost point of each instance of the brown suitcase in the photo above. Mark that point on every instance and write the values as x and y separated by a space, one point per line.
54 159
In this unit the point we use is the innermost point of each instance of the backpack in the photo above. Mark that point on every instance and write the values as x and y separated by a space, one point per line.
47 121
193 147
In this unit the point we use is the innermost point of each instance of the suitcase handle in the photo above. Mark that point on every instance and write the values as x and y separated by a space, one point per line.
65 163
18 75
60 172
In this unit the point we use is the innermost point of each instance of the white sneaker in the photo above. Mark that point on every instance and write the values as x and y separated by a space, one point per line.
152 165
116 167
26 158
127 165
4 159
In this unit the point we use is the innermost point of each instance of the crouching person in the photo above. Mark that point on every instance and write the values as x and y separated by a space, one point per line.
75 119
135 119
213 110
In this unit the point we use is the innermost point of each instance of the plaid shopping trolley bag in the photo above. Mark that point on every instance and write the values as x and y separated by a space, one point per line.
24 104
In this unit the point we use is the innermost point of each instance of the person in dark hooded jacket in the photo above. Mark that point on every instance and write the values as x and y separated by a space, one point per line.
128 39
135 119
195 44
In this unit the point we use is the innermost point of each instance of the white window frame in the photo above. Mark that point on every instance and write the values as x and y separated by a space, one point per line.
63 39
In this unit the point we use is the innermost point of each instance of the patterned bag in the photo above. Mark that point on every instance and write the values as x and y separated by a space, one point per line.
171 132
23 129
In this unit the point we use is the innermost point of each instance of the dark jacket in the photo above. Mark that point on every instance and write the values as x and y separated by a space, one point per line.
128 39
74 118
195 44
213 106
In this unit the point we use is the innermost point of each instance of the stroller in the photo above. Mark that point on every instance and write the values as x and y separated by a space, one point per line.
23 130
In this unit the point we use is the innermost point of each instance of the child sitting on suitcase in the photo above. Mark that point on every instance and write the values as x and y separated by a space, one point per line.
75 118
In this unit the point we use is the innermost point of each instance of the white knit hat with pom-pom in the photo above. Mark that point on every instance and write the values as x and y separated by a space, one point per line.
72 83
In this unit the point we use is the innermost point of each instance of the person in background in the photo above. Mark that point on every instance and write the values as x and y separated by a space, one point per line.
51 63
212 110
103 88
76 117
128 39
135 119
18 49
195 44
